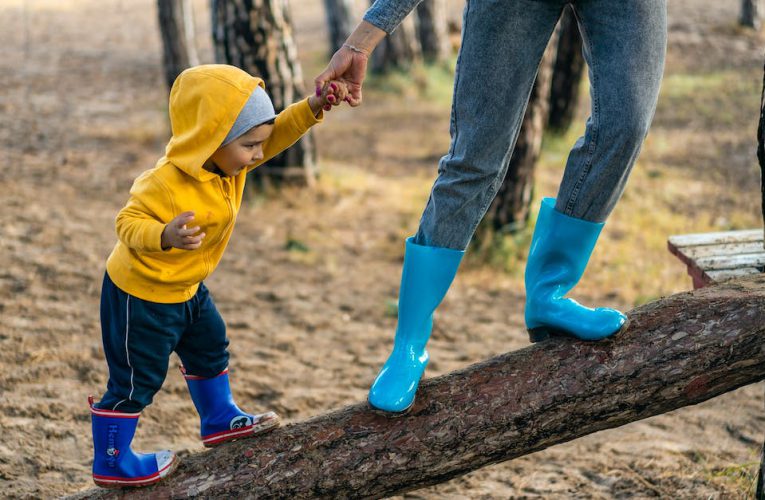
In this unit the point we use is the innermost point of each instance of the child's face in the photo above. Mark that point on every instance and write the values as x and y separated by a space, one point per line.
242 151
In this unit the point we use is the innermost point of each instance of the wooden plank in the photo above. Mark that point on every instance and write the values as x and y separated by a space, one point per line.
712 257
741 236
731 261
701 251
718 276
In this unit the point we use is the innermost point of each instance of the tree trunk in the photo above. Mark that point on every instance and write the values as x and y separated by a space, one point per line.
339 22
511 208
751 13
678 351
760 493
432 30
567 74
398 50
256 35
176 24
761 147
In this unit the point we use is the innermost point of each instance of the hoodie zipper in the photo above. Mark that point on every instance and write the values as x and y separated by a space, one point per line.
230 205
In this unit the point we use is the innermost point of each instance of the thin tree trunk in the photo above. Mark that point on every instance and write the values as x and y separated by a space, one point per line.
760 494
761 147
176 24
751 13
432 30
256 35
399 50
511 208
567 74
339 22
678 351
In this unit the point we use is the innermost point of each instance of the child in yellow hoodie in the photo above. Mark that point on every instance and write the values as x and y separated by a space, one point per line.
172 234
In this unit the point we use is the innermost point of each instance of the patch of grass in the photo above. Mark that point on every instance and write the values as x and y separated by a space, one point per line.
501 250
431 81
739 477
714 99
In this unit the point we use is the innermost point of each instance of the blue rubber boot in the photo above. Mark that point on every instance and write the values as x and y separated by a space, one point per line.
427 275
221 420
560 250
115 464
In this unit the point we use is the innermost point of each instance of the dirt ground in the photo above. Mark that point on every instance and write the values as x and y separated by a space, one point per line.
82 113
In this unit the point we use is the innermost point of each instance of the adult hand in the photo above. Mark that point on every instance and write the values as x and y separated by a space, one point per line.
349 67
177 235
349 64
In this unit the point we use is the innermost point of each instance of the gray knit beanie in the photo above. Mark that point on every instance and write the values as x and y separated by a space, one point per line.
257 110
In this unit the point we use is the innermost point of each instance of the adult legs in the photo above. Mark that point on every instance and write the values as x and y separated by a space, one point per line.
503 42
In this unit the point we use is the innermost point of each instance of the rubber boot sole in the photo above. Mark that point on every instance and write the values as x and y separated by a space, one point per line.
262 427
542 333
390 414
117 483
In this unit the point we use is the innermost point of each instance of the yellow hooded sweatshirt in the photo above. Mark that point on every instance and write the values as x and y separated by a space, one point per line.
204 104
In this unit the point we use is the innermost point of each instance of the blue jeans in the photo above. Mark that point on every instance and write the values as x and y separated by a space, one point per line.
139 337
503 42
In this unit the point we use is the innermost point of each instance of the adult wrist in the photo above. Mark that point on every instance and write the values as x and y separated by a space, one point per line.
364 38
358 50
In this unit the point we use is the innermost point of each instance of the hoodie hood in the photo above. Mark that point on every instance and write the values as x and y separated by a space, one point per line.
204 104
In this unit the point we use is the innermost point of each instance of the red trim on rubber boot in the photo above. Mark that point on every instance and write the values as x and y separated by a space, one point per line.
251 430
110 413
119 482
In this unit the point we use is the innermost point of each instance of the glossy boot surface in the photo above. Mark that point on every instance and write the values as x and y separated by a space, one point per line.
115 464
426 277
559 253
221 420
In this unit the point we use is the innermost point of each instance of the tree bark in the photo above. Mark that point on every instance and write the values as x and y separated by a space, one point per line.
567 74
399 50
678 351
176 25
760 493
751 13
256 35
761 148
339 22
432 30
511 208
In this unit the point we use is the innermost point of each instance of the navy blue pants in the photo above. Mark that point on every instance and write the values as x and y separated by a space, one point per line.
139 337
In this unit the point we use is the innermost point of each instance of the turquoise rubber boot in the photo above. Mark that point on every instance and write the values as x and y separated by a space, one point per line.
560 250
427 275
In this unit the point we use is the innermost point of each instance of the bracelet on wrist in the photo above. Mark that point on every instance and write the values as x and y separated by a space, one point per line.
355 49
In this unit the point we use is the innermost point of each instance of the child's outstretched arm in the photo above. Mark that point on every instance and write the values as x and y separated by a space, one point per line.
292 123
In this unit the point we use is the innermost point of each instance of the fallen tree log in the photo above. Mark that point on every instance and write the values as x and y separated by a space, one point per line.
678 351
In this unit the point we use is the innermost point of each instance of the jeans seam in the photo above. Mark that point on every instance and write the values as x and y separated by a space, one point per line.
457 83
595 122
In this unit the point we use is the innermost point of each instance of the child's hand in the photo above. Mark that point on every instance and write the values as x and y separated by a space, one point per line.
177 235
332 94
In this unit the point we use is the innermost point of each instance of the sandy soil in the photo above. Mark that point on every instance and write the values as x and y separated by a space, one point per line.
82 112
